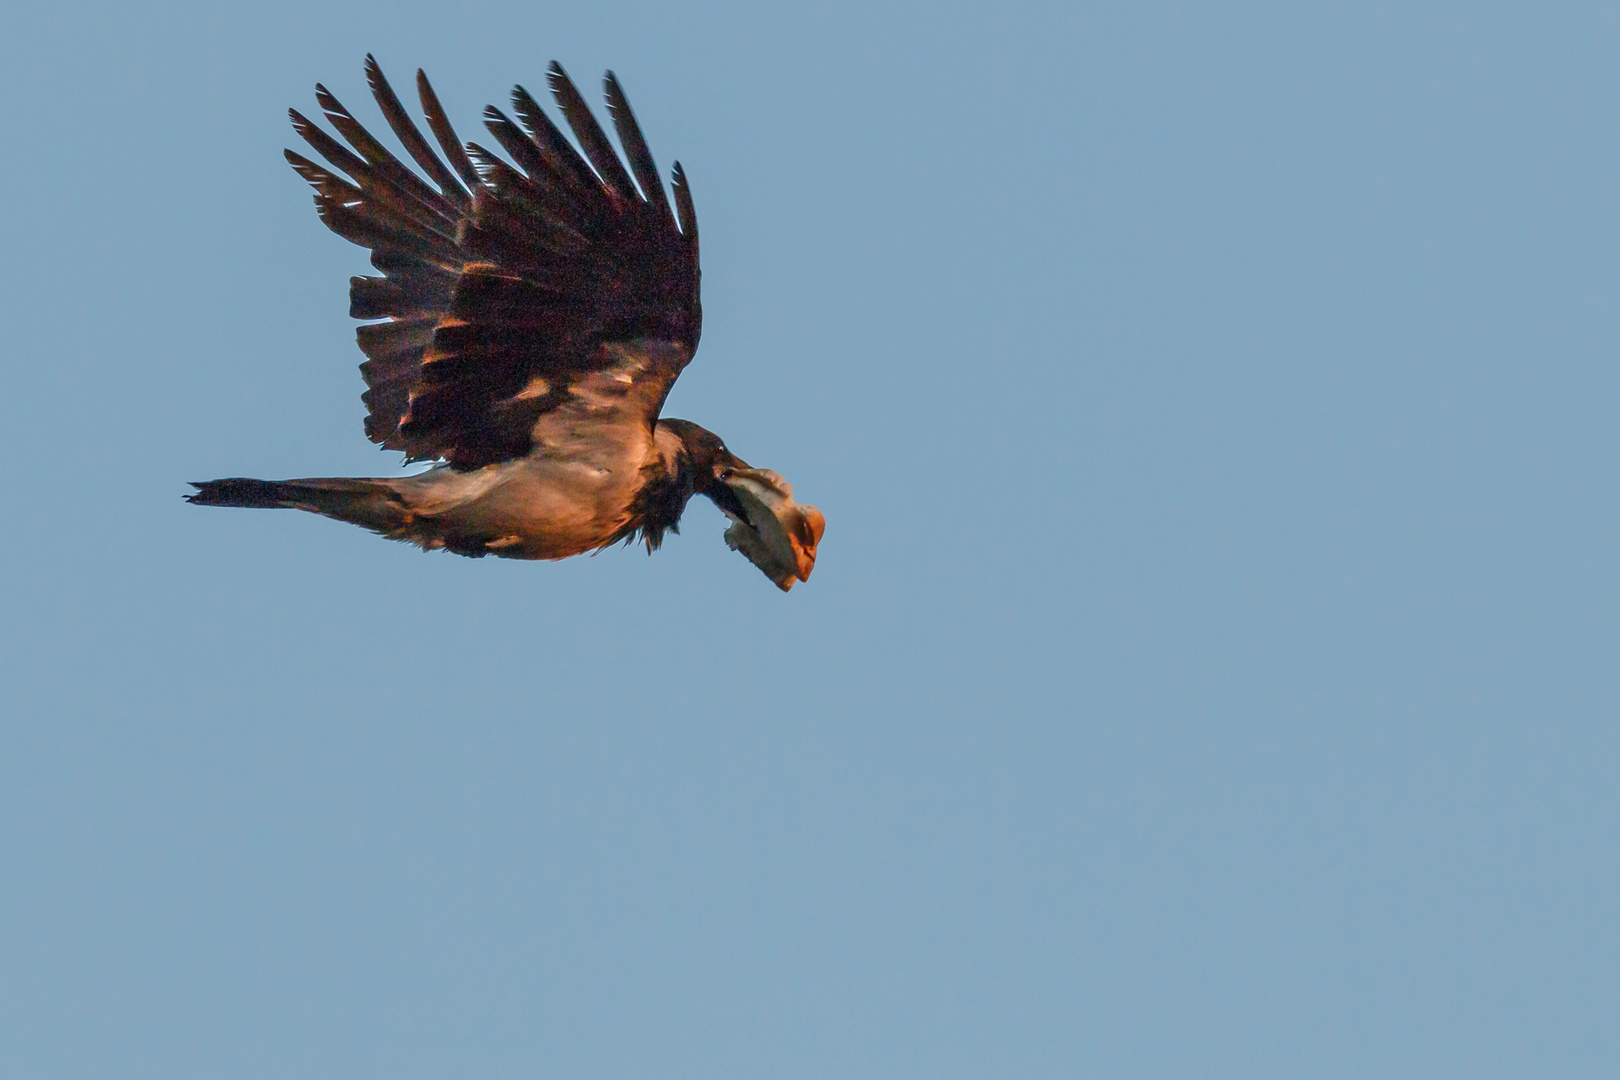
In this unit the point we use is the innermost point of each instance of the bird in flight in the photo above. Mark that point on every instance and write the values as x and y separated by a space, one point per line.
528 322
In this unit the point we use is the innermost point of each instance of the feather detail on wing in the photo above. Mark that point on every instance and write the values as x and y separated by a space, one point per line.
502 280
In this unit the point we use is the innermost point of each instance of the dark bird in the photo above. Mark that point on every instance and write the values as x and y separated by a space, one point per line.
528 323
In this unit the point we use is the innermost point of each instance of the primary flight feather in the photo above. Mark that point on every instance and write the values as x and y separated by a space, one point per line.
533 315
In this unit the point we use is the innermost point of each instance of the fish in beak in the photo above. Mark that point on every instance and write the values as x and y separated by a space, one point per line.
777 534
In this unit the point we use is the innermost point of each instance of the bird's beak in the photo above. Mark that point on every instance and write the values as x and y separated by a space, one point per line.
777 534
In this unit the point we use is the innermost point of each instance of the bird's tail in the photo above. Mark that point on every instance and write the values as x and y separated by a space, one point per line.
371 504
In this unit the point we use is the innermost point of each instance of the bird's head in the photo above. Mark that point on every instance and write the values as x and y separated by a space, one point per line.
777 534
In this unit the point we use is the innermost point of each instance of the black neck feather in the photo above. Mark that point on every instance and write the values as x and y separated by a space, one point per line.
665 491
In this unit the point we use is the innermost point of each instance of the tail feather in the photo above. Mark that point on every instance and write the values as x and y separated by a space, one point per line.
372 504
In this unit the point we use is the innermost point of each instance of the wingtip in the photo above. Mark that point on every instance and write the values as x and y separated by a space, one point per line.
613 97
302 124
329 103
557 78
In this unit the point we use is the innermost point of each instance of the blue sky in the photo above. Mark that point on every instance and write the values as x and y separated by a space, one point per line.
1210 665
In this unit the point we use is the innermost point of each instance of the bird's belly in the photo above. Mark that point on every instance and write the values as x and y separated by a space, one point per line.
537 508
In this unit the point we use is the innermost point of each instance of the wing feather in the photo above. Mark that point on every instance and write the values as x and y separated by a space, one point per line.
531 157
570 167
591 137
509 286
439 124
384 203
385 169
635 147
683 203
410 136
379 298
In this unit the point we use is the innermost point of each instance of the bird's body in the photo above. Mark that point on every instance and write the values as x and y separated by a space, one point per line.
533 321
577 493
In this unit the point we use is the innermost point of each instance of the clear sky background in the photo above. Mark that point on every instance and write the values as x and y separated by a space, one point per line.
1210 669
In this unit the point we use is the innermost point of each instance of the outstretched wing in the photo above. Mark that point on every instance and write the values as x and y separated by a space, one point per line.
508 289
